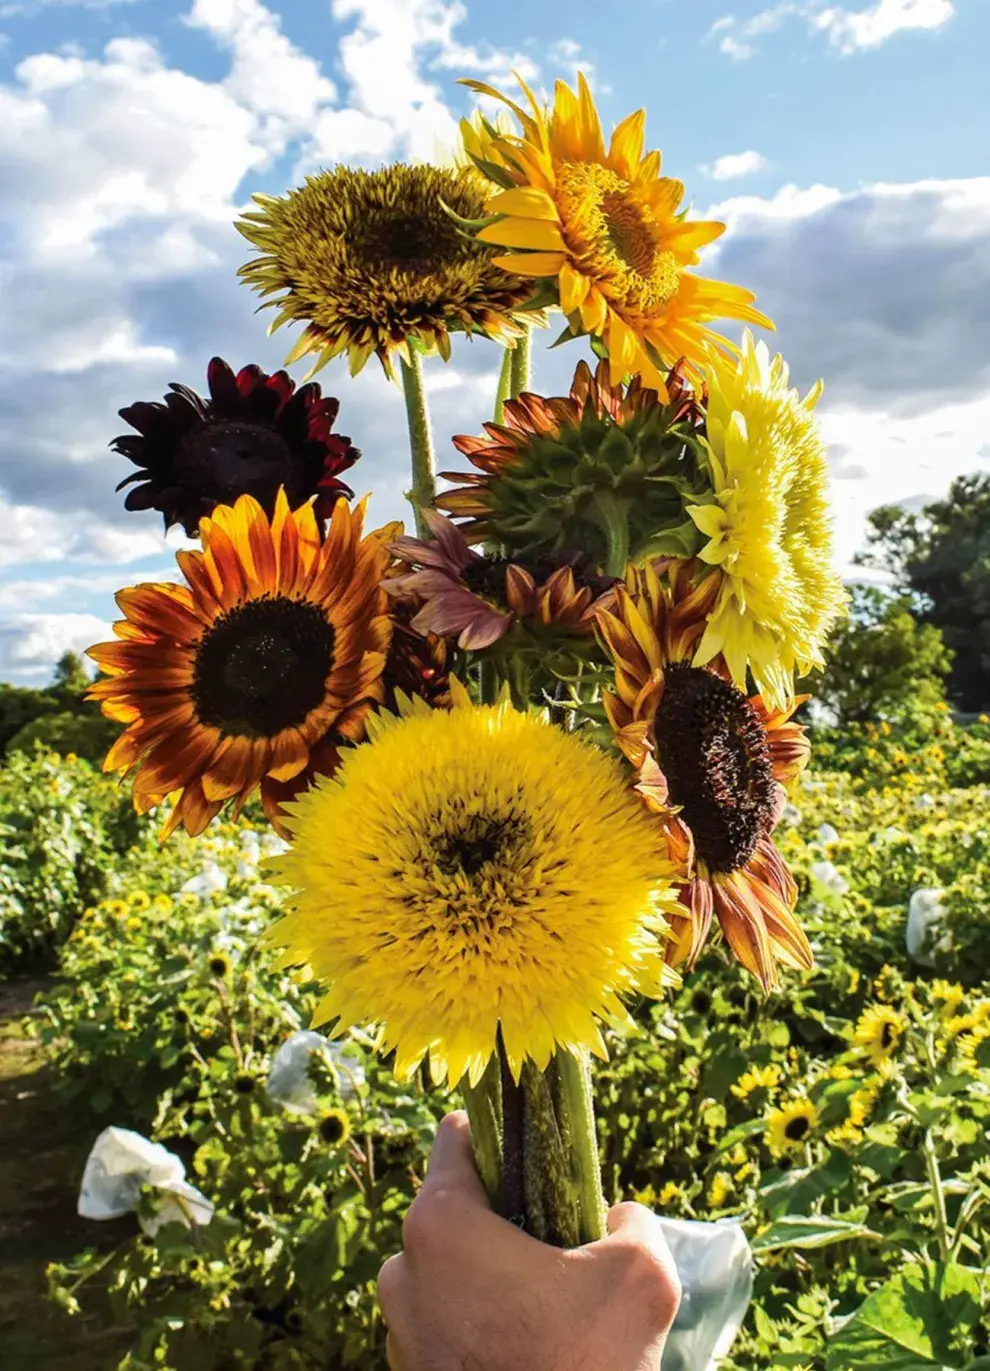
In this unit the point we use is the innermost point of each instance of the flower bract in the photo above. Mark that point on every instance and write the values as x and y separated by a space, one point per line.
498 875
255 670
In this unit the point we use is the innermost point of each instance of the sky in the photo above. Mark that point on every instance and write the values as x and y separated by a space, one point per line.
844 145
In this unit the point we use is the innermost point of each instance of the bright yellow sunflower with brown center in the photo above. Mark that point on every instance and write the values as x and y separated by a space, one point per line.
253 672
603 230
711 764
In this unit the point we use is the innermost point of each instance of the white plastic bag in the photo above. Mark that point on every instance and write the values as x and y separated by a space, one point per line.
924 935
120 1163
829 878
715 1265
210 881
289 1083
827 834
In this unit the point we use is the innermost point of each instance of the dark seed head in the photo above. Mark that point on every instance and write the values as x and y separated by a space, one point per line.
798 1128
244 1085
335 1127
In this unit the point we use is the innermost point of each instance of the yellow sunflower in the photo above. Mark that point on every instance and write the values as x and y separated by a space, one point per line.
498 875
604 233
372 262
768 523
790 1126
878 1031
765 1078
711 764
974 1048
253 672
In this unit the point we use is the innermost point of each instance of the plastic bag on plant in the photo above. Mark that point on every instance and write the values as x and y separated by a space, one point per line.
923 936
120 1164
289 1083
715 1265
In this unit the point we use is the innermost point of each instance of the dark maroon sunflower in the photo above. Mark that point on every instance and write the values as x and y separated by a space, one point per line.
255 434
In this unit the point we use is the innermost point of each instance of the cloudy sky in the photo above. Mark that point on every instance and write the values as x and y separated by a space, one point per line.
842 143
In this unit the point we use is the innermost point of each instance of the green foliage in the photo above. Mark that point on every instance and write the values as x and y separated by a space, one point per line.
942 556
58 716
881 662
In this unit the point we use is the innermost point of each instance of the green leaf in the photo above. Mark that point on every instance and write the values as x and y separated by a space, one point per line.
797 1191
917 1321
807 1231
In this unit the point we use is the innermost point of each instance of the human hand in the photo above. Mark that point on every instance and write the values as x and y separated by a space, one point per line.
471 1292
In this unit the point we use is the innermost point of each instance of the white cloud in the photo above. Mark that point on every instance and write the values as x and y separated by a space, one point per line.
31 643
734 49
850 30
736 164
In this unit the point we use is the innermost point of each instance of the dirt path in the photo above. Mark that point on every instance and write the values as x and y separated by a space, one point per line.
41 1156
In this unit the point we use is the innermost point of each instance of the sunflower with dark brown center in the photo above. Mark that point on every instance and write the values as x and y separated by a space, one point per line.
255 435
255 671
711 763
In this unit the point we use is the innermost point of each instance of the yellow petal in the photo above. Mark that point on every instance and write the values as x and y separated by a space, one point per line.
626 147
573 288
525 202
536 234
531 263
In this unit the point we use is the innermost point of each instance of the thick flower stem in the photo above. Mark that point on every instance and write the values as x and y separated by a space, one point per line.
484 1106
513 1203
578 1108
551 1195
519 365
504 384
424 483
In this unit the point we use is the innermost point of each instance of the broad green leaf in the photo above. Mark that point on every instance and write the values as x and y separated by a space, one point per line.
797 1191
916 1322
807 1231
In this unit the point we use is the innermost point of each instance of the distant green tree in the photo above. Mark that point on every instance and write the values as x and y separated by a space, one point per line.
941 557
58 715
87 735
72 674
881 661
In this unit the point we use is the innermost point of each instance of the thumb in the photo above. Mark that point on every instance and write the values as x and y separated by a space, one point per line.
452 1163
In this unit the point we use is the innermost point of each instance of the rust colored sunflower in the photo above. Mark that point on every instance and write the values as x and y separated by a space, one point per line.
255 435
712 764
479 599
256 670
607 469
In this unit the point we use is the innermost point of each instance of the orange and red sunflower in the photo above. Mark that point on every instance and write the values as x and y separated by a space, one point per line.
253 672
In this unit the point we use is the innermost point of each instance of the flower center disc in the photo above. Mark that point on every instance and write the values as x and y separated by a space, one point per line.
713 750
797 1128
229 458
482 840
263 666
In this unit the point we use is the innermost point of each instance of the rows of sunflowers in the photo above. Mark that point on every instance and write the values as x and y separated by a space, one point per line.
514 807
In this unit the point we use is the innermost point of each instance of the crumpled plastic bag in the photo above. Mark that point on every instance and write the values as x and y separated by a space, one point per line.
923 937
715 1265
120 1164
289 1083
829 878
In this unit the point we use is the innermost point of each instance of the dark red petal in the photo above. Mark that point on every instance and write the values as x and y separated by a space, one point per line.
142 497
249 378
146 416
224 393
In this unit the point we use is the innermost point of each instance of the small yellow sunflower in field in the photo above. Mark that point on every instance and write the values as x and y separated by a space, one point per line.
769 525
878 1031
974 1048
790 1126
470 871
604 233
758 1078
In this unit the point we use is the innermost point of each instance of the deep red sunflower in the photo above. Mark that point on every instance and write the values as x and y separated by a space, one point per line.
255 435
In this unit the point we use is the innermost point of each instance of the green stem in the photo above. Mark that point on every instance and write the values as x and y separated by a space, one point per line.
424 483
614 520
513 1206
491 682
938 1196
551 1195
504 384
519 364
576 1098
484 1106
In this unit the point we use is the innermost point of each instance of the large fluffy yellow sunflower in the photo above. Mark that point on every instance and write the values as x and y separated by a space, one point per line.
255 670
769 525
603 230
711 764
496 873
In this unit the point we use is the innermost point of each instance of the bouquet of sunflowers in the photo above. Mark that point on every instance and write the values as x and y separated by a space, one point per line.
527 759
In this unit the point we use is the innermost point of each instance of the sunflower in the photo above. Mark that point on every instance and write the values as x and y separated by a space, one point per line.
334 1127
757 1078
878 1031
480 598
974 1049
768 525
711 763
254 435
373 261
252 672
499 874
790 1126
602 230
417 664
606 469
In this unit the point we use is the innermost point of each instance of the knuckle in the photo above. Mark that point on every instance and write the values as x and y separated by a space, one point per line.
390 1281
653 1281
430 1219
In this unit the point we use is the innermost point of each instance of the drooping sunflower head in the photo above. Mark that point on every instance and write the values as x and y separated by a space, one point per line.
790 1127
605 469
372 261
603 230
768 525
878 1032
710 763
499 874
252 672
255 435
